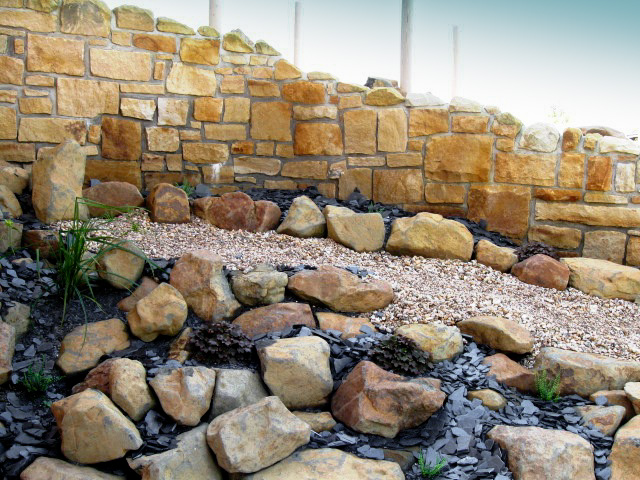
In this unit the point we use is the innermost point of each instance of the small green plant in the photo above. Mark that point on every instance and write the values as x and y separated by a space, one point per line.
186 187
220 343
547 389
373 209
430 470
35 380
400 355
12 230
135 227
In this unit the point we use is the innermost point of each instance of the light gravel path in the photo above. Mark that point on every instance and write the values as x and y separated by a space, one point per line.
427 290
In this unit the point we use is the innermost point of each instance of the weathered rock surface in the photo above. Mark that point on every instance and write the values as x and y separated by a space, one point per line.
586 373
185 393
251 438
603 279
9 203
340 290
56 469
57 181
625 455
362 232
297 371
275 318
122 196
18 315
46 241
542 271
92 428
190 460
498 333
329 464
372 400
10 236
304 219
7 349
632 390
440 341
535 453
15 179
262 285
147 285
349 326
604 419
198 276
121 264
162 312
168 204
319 422
489 398
615 397
540 138
236 211
430 235
236 389
82 348
498 258
511 373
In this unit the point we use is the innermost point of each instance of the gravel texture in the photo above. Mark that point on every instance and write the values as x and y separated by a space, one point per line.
427 290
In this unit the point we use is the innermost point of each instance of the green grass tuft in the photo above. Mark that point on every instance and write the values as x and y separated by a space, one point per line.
428 470
35 380
186 187
547 388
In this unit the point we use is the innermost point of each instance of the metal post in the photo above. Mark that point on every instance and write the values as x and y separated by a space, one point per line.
454 80
214 14
296 33
405 46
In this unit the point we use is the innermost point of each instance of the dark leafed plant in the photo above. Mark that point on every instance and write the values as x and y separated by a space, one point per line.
36 380
400 355
220 343
534 248
548 389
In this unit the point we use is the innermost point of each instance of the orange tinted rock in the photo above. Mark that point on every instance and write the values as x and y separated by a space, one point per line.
397 186
360 131
511 373
505 208
147 285
271 121
349 326
459 158
571 139
558 194
318 139
121 139
304 92
599 173
46 241
275 318
113 194
168 204
528 169
155 43
543 271
236 211
372 400
470 124
427 121
571 170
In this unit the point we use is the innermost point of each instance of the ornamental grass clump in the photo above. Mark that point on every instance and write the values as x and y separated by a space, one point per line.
547 388
400 355
431 470
220 343
36 381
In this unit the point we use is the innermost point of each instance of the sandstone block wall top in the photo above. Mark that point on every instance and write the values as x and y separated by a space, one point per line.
160 103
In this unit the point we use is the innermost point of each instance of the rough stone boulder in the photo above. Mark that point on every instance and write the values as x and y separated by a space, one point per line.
262 285
7 349
297 371
236 211
329 464
612 398
511 373
625 455
190 460
161 312
535 453
586 373
362 232
146 286
542 271
319 422
168 204
489 398
14 178
92 428
121 264
200 206
430 235
45 241
438 340
498 258
374 401
119 195
603 278
56 469
185 393
57 181
340 290
604 419
632 390
251 438
125 382
198 276
82 348
349 326
304 219
235 389
275 318
498 333
19 316
9 204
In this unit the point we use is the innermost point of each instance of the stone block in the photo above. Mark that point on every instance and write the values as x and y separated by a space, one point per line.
8 123
601 197
540 137
163 139
595 215
571 139
225 132
202 51
392 130
246 165
318 139
527 169
444 193
265 149
605 245
350 101
232 84
470 124
306 169
52 130
271 121
460 158
383 96
304 92
11 70
360 178
633 251
155 43
286 71
33 21
55 55
172 111
412 159
314 113
137 108
207 109
599 173
85 17
113 170
398 186
237 109
120 65
261 88
558 194
30 106
559 237
505 208
142 88
121 139
205 152
87 98
189 80
625 177
360 131
571 171
129 17
17 152
427 121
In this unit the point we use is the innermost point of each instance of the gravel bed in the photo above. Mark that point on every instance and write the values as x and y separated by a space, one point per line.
427 290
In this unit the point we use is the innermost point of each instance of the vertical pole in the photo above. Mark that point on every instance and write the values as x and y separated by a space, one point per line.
214 14
296 33
405 46
454 80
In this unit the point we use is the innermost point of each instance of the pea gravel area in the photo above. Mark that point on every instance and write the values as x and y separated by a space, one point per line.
427 290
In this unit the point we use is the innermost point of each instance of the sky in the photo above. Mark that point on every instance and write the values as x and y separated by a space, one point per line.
579 57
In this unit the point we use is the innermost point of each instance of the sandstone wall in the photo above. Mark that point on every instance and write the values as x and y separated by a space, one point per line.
153 101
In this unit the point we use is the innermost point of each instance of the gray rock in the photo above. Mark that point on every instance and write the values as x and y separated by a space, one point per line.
18 315
236 389
262 285
540 137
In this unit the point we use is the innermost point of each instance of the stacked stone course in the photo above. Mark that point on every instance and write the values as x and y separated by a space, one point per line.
153 101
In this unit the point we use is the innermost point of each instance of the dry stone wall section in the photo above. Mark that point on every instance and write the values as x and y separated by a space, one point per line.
154 101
